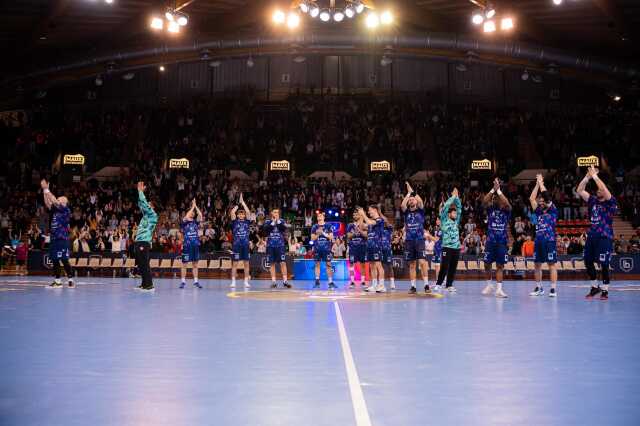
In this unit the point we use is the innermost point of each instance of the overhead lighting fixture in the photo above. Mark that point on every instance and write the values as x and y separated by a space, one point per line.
314 11
214 64
385 61
304 7
338 16
506 24
161 68
489 27
386 18
557 2
360 7
349 11
525 75
293 20
477 18
128 76
99 81
490 12
173 27
183 20
372 20
169 15
157 23
617 98
461 67
325 15
108 1
250 62
299 59
279 17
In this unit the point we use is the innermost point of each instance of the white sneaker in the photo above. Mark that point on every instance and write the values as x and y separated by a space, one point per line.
501 294
247 285
553 293
452 289
436 288
232 285
538 291
370 289
380 288
488 289
392 286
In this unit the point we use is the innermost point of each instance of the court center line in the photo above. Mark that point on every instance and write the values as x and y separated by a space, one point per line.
357 397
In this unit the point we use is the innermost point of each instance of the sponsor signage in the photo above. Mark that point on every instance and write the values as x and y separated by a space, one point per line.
380 166
481 164
178 163
280 165
588 161
73 159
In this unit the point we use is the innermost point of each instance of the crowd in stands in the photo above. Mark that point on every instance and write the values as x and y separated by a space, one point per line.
320 134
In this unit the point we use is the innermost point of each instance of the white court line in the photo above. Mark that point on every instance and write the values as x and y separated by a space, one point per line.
357 397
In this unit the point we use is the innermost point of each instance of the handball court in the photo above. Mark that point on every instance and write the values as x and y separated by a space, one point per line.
104 354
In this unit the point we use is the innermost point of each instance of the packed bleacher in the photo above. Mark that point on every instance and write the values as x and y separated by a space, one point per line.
342 134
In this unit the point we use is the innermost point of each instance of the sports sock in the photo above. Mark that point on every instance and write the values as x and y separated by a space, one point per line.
413 283
426 280
393 280
498 286
594 283
489 282
233 280
381 281
605 287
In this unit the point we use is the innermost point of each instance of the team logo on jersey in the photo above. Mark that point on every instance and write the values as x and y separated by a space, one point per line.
626 264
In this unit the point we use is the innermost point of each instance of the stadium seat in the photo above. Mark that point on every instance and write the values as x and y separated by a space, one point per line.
177 263
203 264
214 264
154 263
567 265
473 265
82 262
509 266
530 265
521 265
118 263
225 263
462 266
73 261
105 262
579 265
130 263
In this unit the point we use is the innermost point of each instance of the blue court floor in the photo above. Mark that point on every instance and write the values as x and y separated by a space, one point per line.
104 354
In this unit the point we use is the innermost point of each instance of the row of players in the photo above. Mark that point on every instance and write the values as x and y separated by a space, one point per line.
369 239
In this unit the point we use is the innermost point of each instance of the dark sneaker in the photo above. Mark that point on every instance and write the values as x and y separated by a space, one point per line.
71 284
274 285
352 285
197 285
147 289
413 290
317 284
552 292
427 290
593 292
286 284
332 286
182 285
54 285
604 295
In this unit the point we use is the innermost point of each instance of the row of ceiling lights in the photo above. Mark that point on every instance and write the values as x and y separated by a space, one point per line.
173 20
331 12
487 17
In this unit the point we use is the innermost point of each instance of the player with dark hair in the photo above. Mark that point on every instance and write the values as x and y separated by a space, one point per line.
274 228
498 216
414 242
143 239
450 216
375 222
356 231
240 227
322 237
59 231
599 244
191 243
545 243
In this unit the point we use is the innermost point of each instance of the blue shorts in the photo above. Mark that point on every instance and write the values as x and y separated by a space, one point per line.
545 252
190 253
598 250
414 250
357 254
437 256
387 256
322 255
496 252
59 250
374 254
276 254
240 252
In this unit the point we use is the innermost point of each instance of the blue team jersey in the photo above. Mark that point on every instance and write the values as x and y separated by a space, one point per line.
275 232
546 223
189 229
497 225
414 225
60 222
601 216
240 230
385 238
322 243
374 234
357 239
437 248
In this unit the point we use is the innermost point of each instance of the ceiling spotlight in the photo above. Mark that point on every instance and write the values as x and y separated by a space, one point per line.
299 59
169 15
349 11
183 20
506 24
157 23
250 62
525 75
304 7
108 1
477 18
461 67
536 79
489 27
338 15
278 17
161 68
128 76
372 20
385 61
173 27
557 2
293 20
205 54
386 18
99 81
214 64
314 11
324 15
617 98
490 12
359 7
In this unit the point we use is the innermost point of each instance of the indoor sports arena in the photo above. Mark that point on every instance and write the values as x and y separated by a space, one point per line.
320 213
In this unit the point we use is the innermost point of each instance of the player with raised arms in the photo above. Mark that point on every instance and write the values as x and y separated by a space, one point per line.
144 234
414 242
450 215
191 243
545 242
274 228
356 231
240 227
599 244
375 222
59 232
498 216
322 237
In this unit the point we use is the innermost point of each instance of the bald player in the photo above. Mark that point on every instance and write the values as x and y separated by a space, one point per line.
59 231
414 244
